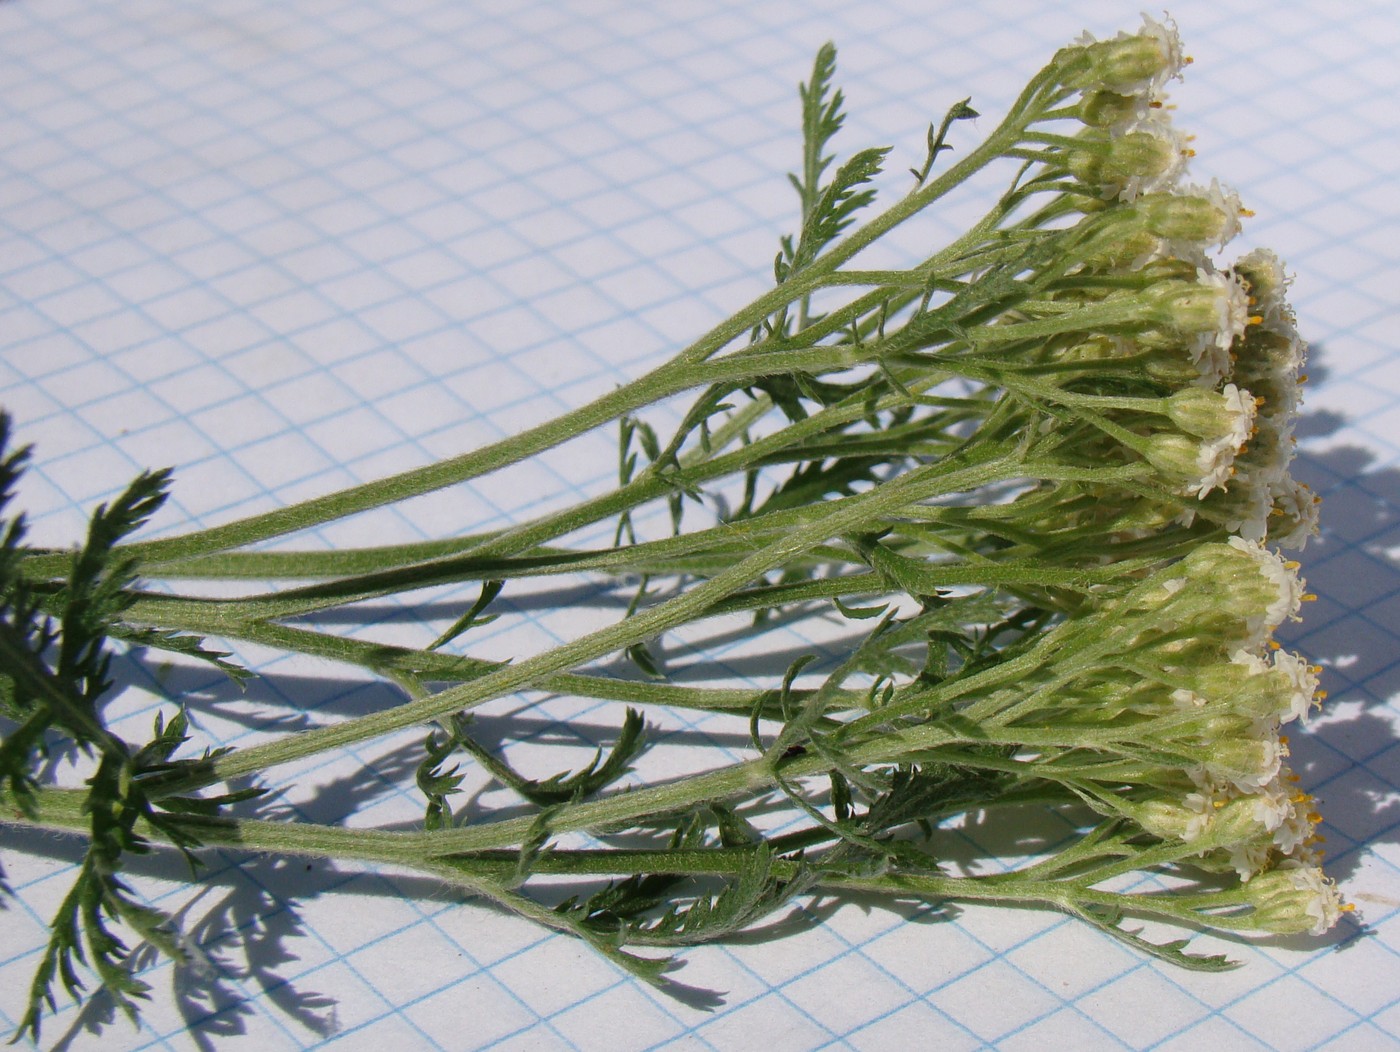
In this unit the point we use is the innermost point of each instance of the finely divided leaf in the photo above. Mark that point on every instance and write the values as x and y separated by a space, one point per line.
183 643
835 208
1173 952
751 895
822 118
557 789
960 111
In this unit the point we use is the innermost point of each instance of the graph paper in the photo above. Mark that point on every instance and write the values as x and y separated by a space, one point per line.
284 248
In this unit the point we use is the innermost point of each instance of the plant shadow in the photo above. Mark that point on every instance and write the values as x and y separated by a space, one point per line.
1348 758
246 922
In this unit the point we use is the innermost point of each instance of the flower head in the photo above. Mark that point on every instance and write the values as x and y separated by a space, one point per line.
1293 898
1284 587
1112 110
1248 591
1148 156
1242 507
1294 515
1268 283
1134 63
1214 309
1248 762
1194 217
1214 427
1281 687
1193 467
1225 416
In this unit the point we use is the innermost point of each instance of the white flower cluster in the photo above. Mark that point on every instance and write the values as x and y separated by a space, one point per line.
1269 359
1193 673
1243 774
1226 329
1134 149
1215 426
1179 373
1262 500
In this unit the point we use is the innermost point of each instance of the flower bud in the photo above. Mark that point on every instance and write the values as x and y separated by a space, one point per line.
1174 817
1138 516
1108 109
1248 764
1122 246
1171 268
1223 724
1185 461
1175 370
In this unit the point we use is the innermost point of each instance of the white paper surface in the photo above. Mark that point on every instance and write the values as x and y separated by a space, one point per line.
285 248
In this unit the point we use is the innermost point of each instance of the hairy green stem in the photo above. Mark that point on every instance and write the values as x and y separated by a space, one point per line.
664 381
919 484
63 810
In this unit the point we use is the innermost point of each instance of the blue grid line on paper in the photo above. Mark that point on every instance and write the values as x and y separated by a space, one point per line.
254 304
416 439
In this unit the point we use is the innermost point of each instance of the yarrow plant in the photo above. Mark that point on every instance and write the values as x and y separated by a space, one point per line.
1041 474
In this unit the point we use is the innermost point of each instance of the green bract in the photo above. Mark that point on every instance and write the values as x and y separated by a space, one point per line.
1039 475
